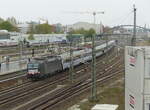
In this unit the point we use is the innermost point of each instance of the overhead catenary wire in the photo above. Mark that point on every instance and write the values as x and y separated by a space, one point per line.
121 19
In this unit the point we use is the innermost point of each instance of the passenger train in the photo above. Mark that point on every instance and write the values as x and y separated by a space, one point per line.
45 66
8 43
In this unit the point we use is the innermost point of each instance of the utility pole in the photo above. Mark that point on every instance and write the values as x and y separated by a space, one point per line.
21 46
134 28
71 59
94 89
106 45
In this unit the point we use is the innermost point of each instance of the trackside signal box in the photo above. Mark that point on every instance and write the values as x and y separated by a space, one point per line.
137 78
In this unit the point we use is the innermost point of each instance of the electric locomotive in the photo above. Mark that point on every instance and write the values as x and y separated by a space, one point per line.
44 66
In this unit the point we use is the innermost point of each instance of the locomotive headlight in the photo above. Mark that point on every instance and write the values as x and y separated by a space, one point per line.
34 71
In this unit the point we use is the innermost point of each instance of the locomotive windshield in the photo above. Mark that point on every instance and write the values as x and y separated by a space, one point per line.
33 66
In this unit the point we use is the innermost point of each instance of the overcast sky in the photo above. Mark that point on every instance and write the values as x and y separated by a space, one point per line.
116 11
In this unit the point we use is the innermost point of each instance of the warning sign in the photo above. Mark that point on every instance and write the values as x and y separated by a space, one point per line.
132 101
132 61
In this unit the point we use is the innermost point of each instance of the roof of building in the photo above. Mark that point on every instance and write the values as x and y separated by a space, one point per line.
105 107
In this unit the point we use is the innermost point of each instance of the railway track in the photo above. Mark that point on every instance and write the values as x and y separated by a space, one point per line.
12 76
63 94
6 98
15 76
56 77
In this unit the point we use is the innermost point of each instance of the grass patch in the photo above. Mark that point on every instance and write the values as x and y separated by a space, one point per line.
114 95
143 43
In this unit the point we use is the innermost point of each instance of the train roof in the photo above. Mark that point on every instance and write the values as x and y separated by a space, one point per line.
66 55
44 58
85 51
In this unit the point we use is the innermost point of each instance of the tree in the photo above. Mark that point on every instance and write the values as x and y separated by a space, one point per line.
82 31
90 32
31 37
86 33
43 29
40 28
79 31
12 20
8 26
1 20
